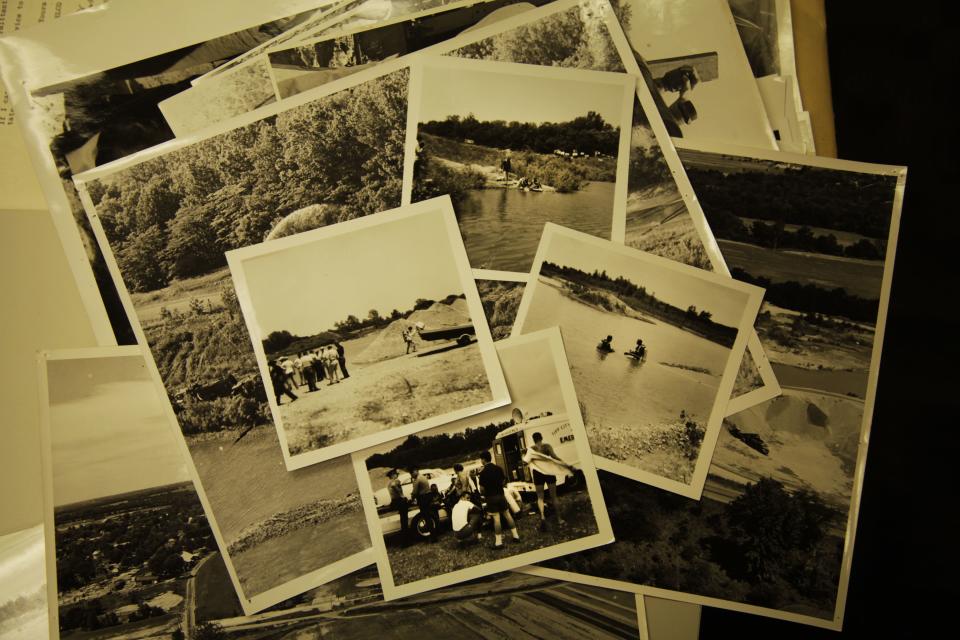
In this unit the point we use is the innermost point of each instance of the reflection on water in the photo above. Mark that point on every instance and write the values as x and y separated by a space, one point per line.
619 390
501 227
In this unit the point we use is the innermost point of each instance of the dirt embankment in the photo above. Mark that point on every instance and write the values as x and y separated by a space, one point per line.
389 342
282 523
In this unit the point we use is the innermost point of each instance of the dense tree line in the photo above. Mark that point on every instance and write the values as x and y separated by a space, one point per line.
571 39
174 216
813 299
768 547
775 235
423 450
588 134
637 298
799 195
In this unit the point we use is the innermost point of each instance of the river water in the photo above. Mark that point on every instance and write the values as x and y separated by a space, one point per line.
501 228
615 389
840 382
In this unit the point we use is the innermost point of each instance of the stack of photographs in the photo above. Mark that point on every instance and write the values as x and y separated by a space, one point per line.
424 316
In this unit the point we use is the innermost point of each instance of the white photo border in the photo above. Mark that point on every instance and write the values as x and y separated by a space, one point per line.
754 297
250 605
552 341
440 208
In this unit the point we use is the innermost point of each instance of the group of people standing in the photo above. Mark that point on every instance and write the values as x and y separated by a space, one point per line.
474 496
308 368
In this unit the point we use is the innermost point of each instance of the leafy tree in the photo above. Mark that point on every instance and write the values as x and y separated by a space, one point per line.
139 260
278 341
193 248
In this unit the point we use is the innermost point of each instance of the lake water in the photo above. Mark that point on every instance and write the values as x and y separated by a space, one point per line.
614 388
842 382
501 228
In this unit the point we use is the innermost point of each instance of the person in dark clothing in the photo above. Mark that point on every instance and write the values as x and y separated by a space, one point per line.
492 481
398 501
342 359
279 379
425 502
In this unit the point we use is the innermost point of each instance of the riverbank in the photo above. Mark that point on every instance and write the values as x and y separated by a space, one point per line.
561 174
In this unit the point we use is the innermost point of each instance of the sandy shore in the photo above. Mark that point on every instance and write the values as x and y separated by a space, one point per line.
385 394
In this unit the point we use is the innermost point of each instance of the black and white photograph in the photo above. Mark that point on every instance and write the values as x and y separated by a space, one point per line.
252 80
131 526
698 65
422 354
654 347
316 61
517 146
589 34
501 300
244 88
104 106
131 555
823 249
493 492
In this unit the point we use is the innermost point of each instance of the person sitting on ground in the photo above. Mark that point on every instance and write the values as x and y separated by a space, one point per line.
641 348
279 379
536 183
606 344
545 460
466 519
492 483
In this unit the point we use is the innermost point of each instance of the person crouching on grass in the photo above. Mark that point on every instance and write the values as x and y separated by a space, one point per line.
492 483
542 459
466 519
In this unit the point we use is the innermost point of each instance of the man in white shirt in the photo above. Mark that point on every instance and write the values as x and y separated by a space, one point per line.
466 520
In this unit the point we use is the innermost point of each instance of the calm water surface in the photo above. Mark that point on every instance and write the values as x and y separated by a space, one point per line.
501 227
614 388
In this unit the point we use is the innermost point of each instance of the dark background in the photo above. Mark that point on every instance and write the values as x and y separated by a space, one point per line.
893 69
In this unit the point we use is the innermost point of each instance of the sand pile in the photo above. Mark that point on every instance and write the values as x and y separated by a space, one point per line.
389 342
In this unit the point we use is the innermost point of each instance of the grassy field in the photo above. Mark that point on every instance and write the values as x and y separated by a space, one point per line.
216 597
859 277
178 294
386 394
423 560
